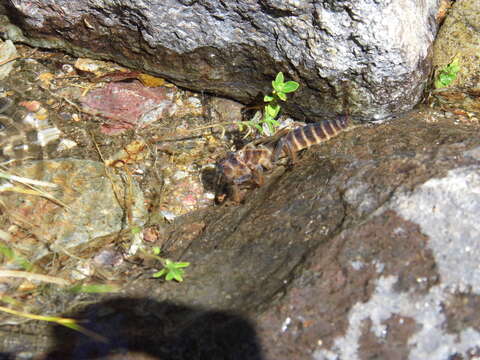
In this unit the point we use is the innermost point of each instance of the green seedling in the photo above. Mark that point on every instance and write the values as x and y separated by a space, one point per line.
271 110
272 107
279 93
447 74
172 270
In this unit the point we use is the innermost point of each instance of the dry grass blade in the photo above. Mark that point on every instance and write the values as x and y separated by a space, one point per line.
70 323
34 277
3 62
5 236
25 180
31 185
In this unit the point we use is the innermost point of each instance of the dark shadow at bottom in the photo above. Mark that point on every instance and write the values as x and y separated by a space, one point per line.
156 331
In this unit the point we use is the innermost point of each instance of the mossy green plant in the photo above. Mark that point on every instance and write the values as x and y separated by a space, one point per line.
172 270
447 74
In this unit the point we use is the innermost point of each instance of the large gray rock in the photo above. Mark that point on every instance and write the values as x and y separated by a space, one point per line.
370 58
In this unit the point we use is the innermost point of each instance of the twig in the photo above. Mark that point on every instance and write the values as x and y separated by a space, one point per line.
34 191
25 180
3 62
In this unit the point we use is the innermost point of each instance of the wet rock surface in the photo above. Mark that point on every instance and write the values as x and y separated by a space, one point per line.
88 202
370 58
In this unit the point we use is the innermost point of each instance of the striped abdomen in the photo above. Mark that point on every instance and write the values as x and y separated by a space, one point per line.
245 167
308 135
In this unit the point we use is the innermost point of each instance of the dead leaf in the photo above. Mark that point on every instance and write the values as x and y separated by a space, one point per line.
133 153
46 79
151 81
117 76
97 67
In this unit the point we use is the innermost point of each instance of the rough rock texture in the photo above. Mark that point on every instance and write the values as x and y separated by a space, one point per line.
367 248
370 58
7 52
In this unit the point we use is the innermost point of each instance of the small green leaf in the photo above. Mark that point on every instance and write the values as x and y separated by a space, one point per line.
182 264
447 74
268 98
282 96
156 250
172 270
274 122
446 80
279 78
159 273
290 86
277 84
174 274
272 110
454 66
169 276
276 87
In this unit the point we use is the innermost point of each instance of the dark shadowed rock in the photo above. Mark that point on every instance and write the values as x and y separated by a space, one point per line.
355 252
370 58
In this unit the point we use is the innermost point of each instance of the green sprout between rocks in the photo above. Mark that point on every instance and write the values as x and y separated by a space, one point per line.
272 107
172 270
447 74
279 93
271 110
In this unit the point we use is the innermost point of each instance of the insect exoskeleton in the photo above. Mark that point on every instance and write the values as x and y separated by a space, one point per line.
308 135
246 166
